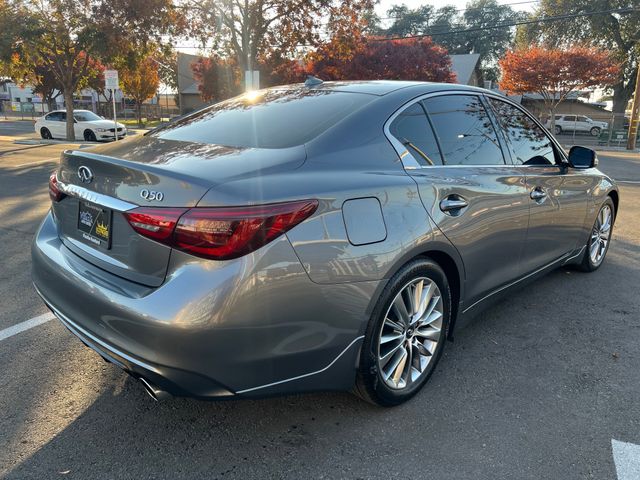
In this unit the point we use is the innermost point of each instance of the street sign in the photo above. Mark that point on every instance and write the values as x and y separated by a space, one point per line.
111 80
111 83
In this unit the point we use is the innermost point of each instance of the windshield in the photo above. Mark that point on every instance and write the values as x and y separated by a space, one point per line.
85 116
266 119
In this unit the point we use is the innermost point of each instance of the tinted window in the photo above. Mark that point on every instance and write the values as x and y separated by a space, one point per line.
569 118
54 117
464 129
528 143
266 119
583 119
85 116
412 129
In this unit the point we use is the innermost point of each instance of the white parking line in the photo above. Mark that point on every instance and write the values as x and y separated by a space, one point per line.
626 457
26 325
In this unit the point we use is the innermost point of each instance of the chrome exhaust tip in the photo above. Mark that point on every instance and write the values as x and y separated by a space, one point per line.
154 392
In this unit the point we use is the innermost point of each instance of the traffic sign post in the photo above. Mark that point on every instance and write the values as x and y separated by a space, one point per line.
111 83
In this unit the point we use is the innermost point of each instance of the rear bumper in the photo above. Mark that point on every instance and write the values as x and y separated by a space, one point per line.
172 381
253 326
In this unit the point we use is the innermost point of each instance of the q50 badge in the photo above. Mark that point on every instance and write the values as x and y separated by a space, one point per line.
151 195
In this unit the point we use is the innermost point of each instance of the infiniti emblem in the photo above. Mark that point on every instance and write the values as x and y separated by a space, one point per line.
85 174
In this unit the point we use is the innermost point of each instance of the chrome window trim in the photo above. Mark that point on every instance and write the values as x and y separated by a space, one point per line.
411 163
95 197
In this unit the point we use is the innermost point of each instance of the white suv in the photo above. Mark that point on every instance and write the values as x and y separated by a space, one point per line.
578 123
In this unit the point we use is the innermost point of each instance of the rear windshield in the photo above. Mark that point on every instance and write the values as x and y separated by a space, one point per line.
266 119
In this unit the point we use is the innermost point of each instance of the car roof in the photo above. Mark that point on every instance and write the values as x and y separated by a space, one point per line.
380 87
75 110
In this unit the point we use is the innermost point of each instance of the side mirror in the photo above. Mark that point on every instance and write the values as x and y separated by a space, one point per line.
582 157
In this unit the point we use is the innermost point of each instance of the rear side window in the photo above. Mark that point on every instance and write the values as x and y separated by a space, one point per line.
266 119
412 129
569 118
54 117
528 143
464 130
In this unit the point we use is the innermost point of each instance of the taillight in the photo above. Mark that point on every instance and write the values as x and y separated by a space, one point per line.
155 223
220 233
54 192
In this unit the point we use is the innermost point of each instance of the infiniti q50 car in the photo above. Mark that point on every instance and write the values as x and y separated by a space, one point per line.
328 236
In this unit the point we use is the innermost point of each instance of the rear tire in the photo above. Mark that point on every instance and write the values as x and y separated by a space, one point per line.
599 238
89 136
595 131
403 345
45 133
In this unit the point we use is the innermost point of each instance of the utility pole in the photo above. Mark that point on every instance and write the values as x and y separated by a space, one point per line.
634 121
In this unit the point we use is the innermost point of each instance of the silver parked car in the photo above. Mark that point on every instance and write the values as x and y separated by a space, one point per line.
577 123
327 236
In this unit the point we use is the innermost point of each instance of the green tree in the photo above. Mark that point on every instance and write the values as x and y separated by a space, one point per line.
252 29
67 37
472 30
617 32
481 17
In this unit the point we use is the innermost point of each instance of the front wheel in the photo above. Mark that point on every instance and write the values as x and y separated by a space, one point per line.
405 335
595 131
600 238
89 136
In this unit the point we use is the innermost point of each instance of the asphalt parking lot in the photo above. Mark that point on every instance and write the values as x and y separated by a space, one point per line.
16 127
537 387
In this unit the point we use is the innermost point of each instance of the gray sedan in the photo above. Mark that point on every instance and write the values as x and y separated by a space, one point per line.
325 236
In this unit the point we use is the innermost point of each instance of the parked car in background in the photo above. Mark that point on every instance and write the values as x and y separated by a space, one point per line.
87 126
327 236
577 124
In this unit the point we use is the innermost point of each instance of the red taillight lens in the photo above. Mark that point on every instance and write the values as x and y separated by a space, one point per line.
155 223
220 233
54 192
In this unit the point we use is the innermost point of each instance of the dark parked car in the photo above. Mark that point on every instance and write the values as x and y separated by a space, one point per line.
328 236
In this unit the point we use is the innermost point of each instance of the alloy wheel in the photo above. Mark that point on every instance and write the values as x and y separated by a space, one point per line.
410 333
600 235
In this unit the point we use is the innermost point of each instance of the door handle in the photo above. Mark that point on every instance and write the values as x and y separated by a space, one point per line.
453 204
538 194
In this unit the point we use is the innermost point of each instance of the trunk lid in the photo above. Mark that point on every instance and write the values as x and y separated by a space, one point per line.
145 171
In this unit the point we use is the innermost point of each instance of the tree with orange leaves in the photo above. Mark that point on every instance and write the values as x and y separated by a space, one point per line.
556 73
382 59
140 83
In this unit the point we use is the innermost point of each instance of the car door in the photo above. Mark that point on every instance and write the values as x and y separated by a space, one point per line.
583 124
477 200
569 123
51 123
557 194
60 125
78 125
